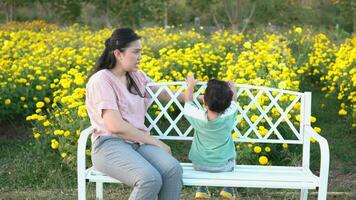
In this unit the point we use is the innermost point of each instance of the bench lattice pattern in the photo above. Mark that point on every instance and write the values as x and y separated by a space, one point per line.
262 103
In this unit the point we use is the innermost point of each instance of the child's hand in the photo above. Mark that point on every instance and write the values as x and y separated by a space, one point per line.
191 82
190 90
231 84
233 88
201 98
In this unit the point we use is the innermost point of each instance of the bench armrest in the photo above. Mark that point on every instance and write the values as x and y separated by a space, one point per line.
82 143
324 153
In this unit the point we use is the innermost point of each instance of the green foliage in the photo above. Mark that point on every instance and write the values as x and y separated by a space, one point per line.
208 13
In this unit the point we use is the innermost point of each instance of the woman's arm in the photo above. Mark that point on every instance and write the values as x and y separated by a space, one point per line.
164 96
115 124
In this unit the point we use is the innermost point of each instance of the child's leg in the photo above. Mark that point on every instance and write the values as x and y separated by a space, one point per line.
202 192
228 193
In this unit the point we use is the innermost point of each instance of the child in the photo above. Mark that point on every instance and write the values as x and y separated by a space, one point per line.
213 149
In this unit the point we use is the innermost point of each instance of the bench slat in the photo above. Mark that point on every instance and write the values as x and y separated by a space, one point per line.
250 183
244 175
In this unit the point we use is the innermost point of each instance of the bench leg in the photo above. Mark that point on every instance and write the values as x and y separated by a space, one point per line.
82 189
322 192
303 194
99 191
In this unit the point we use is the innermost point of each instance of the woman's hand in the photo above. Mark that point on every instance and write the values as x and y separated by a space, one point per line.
164 146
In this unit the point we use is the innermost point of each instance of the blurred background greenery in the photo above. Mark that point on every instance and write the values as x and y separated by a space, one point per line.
236 15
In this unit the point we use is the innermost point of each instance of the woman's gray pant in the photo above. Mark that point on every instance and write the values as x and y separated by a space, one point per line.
150 170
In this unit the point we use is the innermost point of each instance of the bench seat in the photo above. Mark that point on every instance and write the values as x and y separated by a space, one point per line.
243 176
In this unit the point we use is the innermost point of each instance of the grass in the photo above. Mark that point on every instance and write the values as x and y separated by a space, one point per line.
28 171
116 191
23 166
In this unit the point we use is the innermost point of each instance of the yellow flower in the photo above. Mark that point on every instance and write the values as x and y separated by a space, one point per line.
285 146
267 149
7 101
38 87
41 117
79 81
58 132
54 144
257 149
46 123
47 100
317 129
298 30
22 98
247 45
63 155
253 107
312 140
235 135
342 112
312 119
36 135
263 160
282 85
297 118
82 111
254 118
262 130
39 104
66 133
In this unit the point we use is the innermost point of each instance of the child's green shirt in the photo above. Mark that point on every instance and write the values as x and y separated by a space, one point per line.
212 143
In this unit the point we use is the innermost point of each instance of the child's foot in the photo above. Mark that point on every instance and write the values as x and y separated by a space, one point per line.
228 193
202 193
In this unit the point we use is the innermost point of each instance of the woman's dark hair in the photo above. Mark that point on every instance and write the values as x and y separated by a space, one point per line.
218 95
120 39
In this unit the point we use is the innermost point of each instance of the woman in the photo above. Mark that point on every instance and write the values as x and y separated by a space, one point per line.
122 147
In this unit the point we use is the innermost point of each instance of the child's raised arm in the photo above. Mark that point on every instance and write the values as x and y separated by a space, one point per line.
190 87
233 88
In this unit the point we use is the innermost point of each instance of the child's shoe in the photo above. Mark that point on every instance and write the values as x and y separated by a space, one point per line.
228 193
202 193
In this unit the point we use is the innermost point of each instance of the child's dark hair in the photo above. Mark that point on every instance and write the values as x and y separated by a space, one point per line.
120 39
218 95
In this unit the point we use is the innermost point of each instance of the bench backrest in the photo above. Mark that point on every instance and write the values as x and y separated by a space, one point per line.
266 115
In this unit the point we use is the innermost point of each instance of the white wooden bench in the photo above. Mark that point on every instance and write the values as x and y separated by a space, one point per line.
253 176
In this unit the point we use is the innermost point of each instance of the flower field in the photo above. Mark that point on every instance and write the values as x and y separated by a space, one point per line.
44 69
